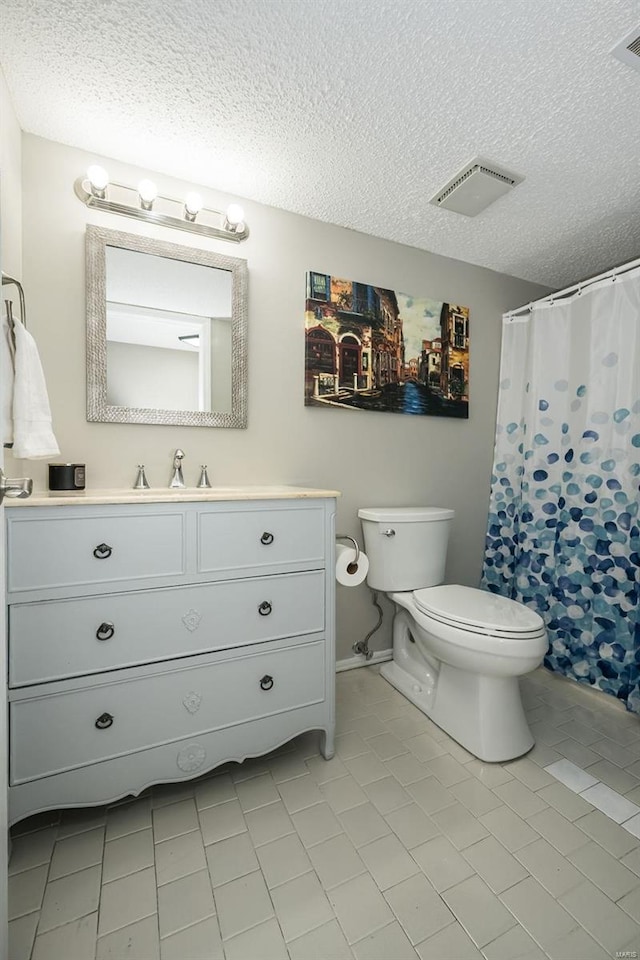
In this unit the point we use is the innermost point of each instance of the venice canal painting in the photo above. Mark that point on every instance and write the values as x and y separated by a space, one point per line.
368 348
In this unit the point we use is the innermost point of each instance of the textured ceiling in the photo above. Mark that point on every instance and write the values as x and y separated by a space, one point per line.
356 111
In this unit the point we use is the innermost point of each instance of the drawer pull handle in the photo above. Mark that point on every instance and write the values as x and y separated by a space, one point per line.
102 551
104 721
267 538
266 683
265 608
105 631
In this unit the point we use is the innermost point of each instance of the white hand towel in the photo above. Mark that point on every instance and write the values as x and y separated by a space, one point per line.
33 437
8 375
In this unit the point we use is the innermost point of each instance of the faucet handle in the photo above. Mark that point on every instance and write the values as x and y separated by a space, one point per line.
204 478
141 480
179 454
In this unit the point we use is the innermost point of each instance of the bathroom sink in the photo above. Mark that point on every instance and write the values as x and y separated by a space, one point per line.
214 492
175 495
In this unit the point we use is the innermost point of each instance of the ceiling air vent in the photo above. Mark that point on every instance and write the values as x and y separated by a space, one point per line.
628 50
477 185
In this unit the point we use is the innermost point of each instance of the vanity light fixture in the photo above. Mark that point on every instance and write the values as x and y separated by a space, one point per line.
192 206
98 179
145 203
234 219
147 191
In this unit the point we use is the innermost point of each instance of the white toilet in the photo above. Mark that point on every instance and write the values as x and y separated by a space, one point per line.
457 651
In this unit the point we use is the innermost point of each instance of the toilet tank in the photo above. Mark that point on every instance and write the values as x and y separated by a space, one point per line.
406 546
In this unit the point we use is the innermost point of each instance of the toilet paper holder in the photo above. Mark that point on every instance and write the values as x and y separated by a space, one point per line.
344 536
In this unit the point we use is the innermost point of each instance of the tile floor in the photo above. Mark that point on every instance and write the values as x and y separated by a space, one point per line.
403 846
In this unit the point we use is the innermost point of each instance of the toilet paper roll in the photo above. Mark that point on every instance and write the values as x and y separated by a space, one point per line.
348 572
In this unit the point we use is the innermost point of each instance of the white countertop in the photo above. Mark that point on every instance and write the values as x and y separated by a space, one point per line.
46 498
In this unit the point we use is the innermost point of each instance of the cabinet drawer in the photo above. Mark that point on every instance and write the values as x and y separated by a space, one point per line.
239 540
62 638
59 552
55 732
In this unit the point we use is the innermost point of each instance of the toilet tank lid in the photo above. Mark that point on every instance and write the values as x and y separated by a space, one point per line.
405 514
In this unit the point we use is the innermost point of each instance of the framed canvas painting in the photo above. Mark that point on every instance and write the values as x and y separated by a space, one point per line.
368 348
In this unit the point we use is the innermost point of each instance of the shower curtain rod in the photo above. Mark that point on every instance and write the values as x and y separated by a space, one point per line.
577 287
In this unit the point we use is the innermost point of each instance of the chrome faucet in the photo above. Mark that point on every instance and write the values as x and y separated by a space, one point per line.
177 480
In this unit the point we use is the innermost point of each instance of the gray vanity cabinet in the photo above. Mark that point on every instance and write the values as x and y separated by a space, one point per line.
150 642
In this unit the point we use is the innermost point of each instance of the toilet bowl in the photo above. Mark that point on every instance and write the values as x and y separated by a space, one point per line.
457 651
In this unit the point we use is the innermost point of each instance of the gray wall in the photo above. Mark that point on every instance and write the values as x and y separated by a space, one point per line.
11 263
162 378
372 458
10 186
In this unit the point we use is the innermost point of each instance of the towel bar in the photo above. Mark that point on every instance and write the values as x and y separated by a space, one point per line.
23 310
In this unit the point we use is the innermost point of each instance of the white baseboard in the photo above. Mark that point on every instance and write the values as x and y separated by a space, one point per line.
361 661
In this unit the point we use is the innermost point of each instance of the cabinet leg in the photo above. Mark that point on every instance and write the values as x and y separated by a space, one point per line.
327 745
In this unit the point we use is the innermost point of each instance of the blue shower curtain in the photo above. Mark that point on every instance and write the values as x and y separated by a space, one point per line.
563 530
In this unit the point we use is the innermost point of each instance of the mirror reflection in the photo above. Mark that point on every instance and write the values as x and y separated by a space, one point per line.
166 333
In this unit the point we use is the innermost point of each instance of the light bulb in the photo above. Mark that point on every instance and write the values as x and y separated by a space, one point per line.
192 206
235 214
98 180
147 191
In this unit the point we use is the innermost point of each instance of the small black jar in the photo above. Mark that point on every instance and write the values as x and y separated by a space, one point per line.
67 476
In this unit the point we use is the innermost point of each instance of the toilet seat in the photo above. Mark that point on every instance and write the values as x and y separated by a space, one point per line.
447 635
479 612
